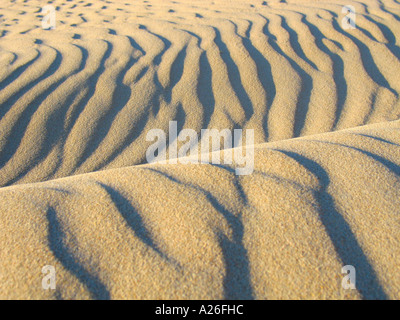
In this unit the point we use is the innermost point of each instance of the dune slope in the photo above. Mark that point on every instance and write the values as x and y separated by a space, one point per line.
200 231
81 97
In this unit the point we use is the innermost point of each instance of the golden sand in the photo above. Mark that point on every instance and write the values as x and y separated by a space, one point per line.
76 192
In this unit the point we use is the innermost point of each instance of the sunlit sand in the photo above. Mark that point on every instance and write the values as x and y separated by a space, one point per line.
76 189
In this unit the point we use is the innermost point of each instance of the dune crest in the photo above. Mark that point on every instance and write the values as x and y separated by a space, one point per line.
81 98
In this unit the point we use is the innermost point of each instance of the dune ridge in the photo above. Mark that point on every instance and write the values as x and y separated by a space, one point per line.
76 192
165 231
86 93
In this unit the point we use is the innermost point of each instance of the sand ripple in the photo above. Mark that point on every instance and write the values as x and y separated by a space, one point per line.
77 102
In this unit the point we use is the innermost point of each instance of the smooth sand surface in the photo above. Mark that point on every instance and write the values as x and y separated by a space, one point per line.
76 192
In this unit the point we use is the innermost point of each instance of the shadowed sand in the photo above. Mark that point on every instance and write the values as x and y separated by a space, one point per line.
77 102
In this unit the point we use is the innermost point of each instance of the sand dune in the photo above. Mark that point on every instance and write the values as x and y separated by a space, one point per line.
76 192
200 231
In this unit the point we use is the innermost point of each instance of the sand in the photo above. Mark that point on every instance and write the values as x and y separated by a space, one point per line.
77 193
